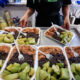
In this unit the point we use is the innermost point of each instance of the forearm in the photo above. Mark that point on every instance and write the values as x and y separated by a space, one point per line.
29 12
66 17
65 11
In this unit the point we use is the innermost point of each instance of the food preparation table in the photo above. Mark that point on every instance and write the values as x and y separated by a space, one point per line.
46 41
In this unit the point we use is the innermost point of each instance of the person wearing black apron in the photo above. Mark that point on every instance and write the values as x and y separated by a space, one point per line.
48 12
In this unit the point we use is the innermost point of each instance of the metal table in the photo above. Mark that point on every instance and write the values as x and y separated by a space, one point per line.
46 41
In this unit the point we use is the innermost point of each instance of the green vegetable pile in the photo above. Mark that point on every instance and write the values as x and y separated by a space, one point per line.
56 72
18 71
1 63
6 38
26 41
75 68
66 35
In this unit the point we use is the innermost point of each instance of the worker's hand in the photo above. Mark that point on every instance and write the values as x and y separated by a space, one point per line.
66 23
23 21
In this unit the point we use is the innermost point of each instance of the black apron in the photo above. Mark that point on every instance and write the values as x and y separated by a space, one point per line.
48 12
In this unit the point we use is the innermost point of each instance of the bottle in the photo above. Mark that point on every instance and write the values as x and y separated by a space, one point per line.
7 17
3 24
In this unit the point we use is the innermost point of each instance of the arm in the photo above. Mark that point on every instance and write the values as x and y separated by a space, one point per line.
29 12
65 11
24 19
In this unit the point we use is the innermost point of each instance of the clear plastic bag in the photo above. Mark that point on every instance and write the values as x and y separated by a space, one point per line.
3 24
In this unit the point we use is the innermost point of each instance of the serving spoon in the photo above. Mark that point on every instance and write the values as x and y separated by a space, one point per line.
20 56
48 56
58 34
68 44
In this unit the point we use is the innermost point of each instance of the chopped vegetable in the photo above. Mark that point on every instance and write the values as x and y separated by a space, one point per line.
46 72
26 41
18 71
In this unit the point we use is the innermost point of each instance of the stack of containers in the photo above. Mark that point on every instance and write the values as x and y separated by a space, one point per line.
35 65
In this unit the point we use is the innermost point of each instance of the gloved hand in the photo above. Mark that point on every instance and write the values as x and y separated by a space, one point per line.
3 3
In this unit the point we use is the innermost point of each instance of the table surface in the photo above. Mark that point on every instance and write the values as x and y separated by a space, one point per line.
46 41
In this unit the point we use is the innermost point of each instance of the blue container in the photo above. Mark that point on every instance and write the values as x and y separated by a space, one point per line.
78 2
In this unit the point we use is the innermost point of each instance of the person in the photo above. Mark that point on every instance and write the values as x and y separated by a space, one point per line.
48 12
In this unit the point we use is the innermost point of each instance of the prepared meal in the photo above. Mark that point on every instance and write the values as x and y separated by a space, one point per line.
6 38
4 51
54 69
20 69
64 34
29 36
13 30
9 35
74 61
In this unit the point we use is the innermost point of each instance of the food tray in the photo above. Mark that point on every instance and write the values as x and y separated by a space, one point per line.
56 39
17 28
61 52
24 49
4 51
11 29
72 59
38 41
1 32
15 37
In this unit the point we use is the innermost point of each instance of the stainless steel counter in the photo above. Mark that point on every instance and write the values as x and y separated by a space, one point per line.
46 41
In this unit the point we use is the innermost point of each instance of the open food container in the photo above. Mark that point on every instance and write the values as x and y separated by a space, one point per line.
13 30
74 61
29 36
54 69
4 51
64 34
9 35
20 69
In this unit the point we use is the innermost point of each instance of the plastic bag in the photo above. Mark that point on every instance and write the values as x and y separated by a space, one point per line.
3 3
